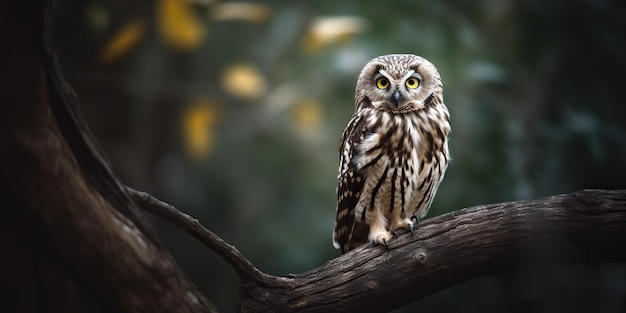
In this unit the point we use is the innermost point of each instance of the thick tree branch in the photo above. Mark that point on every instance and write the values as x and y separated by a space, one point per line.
583 227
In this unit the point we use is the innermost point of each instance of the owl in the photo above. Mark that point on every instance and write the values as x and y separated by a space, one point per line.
394 151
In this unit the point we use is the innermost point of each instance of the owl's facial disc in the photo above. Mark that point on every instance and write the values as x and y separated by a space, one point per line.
396 93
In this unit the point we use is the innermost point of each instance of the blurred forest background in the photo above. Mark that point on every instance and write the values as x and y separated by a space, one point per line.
232 112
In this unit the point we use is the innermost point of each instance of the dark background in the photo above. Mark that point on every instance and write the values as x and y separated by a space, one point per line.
233 114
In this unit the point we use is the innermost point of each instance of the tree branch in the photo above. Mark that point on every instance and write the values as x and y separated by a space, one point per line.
244 268
583 227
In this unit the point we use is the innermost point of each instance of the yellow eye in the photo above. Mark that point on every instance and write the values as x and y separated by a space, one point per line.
412 82
382 83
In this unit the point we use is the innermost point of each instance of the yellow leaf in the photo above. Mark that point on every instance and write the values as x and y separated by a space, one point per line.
123 41
306 117
324 31
178 25
244 81
198 121
242 11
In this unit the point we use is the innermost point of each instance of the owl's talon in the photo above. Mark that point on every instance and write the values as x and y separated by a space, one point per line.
394 234
386 243
415 220
380 236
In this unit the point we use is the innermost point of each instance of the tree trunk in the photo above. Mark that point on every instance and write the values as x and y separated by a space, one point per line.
60 194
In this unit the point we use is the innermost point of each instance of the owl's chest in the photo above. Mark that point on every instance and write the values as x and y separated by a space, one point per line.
406 144
391 141
401 159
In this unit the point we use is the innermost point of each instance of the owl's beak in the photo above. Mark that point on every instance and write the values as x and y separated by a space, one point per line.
396 97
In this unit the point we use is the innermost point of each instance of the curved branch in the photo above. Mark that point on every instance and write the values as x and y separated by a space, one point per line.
79 215
582 227
228 252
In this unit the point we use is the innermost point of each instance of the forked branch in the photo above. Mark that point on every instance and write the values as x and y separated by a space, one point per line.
582 227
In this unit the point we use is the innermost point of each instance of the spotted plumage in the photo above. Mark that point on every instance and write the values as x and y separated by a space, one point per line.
394 151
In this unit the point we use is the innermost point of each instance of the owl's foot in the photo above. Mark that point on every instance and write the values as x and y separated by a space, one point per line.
381 237
406 223
416 222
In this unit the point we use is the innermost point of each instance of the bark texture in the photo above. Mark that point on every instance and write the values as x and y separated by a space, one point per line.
583 227
60 194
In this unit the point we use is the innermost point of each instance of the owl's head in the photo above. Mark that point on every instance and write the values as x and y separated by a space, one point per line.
399 83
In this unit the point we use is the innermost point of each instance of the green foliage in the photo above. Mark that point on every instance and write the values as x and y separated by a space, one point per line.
534 90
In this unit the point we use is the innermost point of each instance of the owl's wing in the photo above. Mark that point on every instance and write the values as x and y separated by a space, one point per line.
349 233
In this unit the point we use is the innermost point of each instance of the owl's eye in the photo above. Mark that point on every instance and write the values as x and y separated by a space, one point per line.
412 82
382 83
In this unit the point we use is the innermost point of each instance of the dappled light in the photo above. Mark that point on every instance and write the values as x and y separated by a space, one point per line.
232 112
123 41
244 81
179 26
199 122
